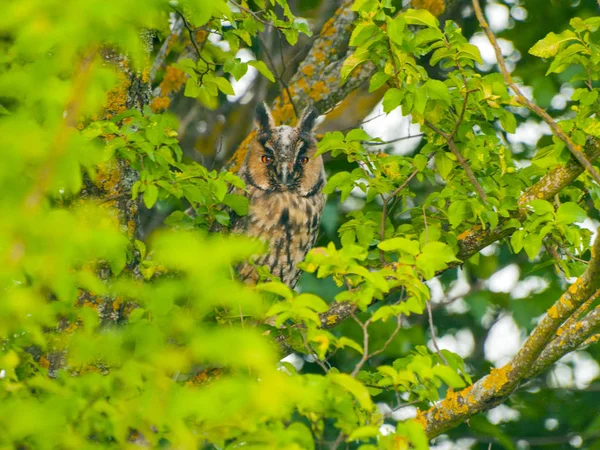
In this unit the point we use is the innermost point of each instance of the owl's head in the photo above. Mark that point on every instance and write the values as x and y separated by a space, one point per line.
282 158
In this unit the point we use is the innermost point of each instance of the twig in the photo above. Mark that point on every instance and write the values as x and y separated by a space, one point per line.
425 223
313 354
391 338
365 355
385 204
252 13
462 112
573 148
282 84
190 32
459 157
338 441
432 332
164 49
391 141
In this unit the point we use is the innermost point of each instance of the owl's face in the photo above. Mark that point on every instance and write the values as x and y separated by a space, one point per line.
282 158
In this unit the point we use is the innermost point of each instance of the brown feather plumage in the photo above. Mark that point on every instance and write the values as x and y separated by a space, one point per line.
284 182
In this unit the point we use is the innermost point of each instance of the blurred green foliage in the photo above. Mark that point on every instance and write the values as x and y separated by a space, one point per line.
110 340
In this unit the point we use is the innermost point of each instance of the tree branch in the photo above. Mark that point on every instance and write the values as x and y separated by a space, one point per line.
452 145
476 239
573 148
495 387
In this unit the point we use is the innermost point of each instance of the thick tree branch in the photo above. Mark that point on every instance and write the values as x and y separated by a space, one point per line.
570 339
495 387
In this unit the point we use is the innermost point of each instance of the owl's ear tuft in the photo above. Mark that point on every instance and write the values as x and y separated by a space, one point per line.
308 119
264 119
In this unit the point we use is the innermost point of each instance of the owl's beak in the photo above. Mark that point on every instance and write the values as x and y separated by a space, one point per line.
284 172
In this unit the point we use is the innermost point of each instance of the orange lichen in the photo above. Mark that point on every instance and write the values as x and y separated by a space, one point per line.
44 362
108 177
71 328
553 312
497 378
240 154
159 104
593 339
116 304
318 91
116 99
328 28
566 302
131 226
320 56
332 319
146 73
302 84
201 36
204 377
308 70
89 369
454 403
173 80
435 7
468 232
284 114
421 419
464 234
573 288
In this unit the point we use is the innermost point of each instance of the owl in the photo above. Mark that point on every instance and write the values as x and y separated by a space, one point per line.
284 180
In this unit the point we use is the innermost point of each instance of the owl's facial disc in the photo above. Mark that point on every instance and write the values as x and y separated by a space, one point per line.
283 161
285 145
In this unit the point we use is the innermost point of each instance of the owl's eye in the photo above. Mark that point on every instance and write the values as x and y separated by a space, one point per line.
304 160
266 159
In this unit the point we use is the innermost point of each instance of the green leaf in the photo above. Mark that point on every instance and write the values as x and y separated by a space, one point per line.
263 69
541 207
420 17
347 342
437 90
357 389
395 29
549 46
457 212
277 288
192 89
516 240
449 376
434 257
362 32
363 433
570 212
378 80
508 122
357 134
238 203
392 99
310 301
398 243
351 62
150 195
470 51
444 164
224 86
532 245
